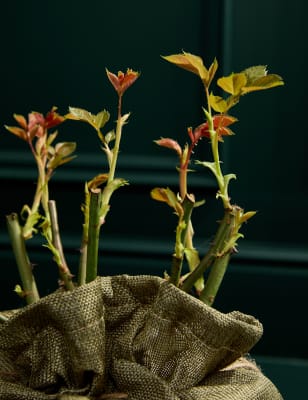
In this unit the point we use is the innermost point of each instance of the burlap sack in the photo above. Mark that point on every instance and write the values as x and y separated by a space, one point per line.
134 337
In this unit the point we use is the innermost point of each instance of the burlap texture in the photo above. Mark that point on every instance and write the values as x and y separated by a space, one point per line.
134 337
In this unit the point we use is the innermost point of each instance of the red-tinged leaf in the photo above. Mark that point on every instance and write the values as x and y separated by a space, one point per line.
189 62
19 132
53 119
220 123
21 120
122 81
170 144
97 181
223 120
191 134
35 119
166 195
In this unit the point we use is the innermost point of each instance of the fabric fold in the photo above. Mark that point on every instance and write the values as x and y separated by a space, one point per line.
137 335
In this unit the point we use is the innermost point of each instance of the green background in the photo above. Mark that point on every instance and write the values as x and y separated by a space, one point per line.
55 53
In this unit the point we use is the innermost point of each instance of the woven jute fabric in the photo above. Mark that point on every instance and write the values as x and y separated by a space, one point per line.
134 337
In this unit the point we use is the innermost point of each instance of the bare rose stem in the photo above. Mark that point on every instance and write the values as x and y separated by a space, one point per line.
82 269
24 266
93 234
99 204
64 272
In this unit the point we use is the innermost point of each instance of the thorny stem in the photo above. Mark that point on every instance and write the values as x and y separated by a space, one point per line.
207 260
220 265
24 266
214 279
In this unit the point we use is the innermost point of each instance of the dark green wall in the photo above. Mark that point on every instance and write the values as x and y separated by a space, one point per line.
55 53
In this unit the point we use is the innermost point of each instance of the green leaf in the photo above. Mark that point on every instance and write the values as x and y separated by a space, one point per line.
118 182
101 119
227 178
209 165
192 257
29 229
233 83
266 82
124 118
193 260
245 217
199 203
80 114
51 137
110 136
218 103
254 73
60 154
65 149
19 291
97 121
258 79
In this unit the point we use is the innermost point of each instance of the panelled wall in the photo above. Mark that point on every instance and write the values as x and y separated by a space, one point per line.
55 53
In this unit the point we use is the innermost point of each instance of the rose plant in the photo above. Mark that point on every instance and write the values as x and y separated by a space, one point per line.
138 337
41 217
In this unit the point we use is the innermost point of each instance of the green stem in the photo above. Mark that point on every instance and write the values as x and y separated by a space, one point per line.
176 269
223 186
183 181
82 270
22 259
108 191
116 148
214 279
210 256
182 228
93 234
64 272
